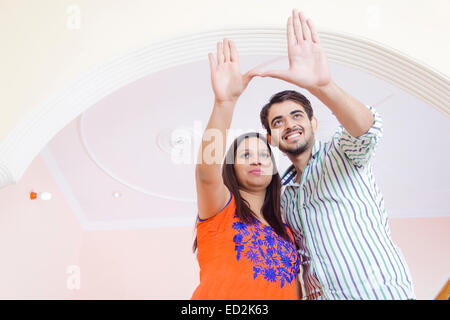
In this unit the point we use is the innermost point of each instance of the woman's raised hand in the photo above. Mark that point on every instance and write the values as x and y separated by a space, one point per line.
227 81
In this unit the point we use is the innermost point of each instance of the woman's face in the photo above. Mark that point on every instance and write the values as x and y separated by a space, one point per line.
253 164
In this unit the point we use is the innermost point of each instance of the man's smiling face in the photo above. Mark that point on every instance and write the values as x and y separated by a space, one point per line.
291 129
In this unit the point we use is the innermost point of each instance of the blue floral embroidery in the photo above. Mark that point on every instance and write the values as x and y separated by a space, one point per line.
272 257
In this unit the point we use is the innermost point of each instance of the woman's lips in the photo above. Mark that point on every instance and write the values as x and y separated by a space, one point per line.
256 171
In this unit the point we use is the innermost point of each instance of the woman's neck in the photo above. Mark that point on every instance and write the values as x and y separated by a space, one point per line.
255 200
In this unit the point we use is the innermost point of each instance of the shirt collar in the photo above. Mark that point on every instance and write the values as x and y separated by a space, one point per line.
291 172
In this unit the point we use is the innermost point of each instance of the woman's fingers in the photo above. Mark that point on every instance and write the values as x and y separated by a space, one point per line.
220 57
212 63
226 50
234 56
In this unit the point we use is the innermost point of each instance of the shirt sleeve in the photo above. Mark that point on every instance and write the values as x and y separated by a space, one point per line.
360 149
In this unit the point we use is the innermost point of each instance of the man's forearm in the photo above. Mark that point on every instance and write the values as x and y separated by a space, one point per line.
354 116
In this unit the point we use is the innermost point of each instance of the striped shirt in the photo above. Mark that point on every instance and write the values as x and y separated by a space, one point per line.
340 224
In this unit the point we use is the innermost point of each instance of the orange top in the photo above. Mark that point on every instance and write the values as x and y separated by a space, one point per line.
243 262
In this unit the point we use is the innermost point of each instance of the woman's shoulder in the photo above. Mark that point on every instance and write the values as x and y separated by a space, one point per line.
225 212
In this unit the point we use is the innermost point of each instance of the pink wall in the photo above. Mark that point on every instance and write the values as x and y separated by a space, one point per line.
138 264
158 264
40 239
425 243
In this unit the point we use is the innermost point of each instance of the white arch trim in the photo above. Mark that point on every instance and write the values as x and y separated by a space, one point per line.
30 136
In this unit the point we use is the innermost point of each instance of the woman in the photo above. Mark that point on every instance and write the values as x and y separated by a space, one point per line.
244 249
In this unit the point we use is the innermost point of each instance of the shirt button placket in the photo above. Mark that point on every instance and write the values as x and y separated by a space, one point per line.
302 188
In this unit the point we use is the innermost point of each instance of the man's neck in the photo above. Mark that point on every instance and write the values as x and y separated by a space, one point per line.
301 161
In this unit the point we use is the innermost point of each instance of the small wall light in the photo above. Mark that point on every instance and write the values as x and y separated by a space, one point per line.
40 195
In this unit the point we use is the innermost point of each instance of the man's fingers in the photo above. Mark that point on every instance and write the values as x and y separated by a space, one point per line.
253 73
297 26
314 35
279 74
291 40
226 50
305 30
248 76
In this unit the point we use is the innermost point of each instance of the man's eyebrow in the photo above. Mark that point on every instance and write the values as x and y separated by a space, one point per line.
297 111
275 118
291 113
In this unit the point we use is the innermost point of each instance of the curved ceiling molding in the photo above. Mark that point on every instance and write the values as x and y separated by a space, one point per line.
25 141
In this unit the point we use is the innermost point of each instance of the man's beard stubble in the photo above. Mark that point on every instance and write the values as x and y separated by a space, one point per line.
299 149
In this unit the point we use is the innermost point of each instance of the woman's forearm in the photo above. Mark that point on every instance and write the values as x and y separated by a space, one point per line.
212 147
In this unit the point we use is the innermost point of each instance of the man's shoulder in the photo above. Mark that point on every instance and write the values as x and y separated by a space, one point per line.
321 150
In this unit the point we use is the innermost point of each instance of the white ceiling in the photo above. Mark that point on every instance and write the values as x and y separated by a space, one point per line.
117 145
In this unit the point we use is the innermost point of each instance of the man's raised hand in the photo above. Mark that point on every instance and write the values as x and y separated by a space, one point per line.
308 65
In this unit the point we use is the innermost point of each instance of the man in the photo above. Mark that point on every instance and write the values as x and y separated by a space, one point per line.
331 200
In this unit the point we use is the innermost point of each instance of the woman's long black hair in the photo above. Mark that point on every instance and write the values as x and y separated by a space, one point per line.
271 208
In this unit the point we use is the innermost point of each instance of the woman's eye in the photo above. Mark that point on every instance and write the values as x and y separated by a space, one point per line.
264 155
245 155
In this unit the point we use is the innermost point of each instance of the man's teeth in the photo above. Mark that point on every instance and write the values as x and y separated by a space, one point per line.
293 135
